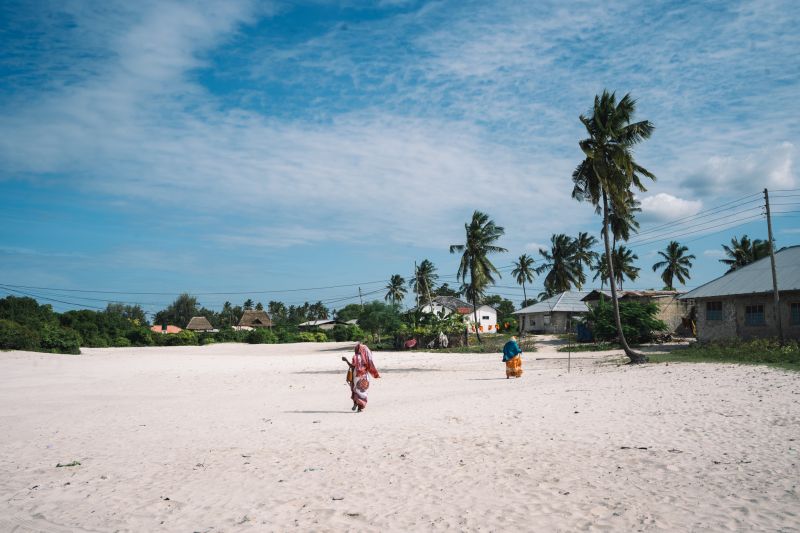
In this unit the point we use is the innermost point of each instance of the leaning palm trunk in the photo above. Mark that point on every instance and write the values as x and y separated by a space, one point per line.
475 307
634 356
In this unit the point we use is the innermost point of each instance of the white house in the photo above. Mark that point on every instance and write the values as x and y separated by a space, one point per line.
447 305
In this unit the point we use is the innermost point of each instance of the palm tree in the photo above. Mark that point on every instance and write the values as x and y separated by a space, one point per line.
622 222
523 272
395 290
675 264
562 265
227 311
248 304
423 281
743 252
623 266
608 172
481 234
583 250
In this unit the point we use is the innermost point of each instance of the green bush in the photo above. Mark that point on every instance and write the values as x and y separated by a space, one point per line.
205 341
122 342
306 336
140 337
261 336
15 336
184 338
639 322
231 335
60 340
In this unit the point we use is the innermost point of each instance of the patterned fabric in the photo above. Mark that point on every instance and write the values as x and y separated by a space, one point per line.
363 370
514 367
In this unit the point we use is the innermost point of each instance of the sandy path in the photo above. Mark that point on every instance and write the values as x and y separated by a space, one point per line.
261 438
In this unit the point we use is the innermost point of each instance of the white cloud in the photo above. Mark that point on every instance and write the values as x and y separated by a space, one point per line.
535 247
771 167
663 207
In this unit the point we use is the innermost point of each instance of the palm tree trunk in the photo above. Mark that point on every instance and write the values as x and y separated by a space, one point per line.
475 313
635 357
524 295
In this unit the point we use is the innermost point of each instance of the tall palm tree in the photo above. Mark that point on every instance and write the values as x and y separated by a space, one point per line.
608 171
227 312
675 264
481 235
742 252
395 290
583 250
248 304
523 272
562 265
423 281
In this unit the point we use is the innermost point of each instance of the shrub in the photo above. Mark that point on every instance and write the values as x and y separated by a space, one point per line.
205 341
140 337
60 340
231 335
15 336
639 322
121 342
184 338
306 336
261 336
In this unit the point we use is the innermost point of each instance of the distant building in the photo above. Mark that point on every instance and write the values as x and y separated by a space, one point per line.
324 325
200 323
447 305
740 304
252 319
671 309
165 329
553 314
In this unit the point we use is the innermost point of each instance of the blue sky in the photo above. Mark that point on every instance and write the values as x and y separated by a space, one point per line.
261 146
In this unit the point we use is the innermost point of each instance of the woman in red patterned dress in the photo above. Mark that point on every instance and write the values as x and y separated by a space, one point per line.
363 371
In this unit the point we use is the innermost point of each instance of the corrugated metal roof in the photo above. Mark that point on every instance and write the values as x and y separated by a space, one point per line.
755 278
569 301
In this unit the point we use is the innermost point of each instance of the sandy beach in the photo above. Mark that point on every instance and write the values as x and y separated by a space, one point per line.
261 438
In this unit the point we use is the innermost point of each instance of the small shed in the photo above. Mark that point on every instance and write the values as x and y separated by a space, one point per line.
252 319
199 323
553 314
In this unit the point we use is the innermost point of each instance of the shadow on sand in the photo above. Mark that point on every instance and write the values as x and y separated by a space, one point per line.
347 412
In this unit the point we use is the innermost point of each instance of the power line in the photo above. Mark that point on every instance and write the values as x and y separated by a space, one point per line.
704 225
39 297
729 225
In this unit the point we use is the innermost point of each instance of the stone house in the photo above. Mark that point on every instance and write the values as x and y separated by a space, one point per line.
553 314
671 309
740 304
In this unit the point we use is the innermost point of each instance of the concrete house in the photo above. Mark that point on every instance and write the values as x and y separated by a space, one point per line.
739 305
671 309
447 305
324 325
552 315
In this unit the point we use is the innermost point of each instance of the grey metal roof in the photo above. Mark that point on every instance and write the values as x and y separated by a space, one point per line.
569 301
755 278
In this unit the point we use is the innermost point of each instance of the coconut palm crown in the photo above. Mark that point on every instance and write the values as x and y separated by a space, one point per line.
676 264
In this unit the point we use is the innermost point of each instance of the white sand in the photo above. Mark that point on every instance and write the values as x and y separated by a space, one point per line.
261 438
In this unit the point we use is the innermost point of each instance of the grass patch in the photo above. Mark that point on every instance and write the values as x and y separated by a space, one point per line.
490 344
755 352
590 347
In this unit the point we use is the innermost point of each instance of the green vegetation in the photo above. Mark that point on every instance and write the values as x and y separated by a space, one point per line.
743 251
753 352
676 264
591 347
639 321
490 344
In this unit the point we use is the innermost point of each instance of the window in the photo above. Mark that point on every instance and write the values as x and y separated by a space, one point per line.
794 316
485 317
713 310
754 315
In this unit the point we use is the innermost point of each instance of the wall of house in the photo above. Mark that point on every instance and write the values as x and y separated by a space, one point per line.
733 325
536 322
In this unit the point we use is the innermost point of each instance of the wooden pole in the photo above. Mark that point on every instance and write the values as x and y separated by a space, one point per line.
776 294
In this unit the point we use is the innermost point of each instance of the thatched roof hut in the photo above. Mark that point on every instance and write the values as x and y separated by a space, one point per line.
199 323
255 319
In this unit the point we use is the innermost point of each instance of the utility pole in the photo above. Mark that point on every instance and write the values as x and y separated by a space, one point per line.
776 294
360 299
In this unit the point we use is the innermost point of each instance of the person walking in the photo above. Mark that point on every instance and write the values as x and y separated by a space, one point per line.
362 370
512 357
